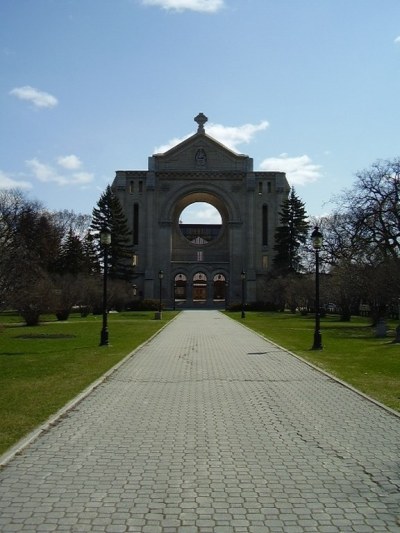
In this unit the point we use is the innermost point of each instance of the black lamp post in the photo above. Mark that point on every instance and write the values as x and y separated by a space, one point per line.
243 278
160 277
226 295
397 330
105 240
316 237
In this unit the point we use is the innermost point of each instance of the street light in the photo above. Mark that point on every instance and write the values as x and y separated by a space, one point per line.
397 330
160 277
105 241
316 237
243 278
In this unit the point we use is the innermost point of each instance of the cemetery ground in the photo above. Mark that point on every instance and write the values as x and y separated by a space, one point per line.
44 367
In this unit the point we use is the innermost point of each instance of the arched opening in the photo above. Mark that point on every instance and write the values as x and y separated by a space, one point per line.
200 234
180 287
200 223
219 287
199 287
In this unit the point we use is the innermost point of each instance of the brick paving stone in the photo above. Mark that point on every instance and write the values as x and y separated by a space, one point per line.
209 428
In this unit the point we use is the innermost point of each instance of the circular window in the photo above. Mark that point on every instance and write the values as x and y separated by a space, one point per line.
200 223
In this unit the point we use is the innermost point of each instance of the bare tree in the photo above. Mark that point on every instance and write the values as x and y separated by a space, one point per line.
70 222
371 210
13 252
362 240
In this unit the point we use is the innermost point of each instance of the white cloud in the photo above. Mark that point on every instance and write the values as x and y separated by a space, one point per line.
71 162
299 170
397 40
38 98
202 6
47 174
82 178
230 136
233 136
200 212
9 183
42 171
170 144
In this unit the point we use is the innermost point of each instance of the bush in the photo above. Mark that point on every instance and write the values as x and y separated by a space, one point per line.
31 315
263 306
144 305
63 314
236 307
33 300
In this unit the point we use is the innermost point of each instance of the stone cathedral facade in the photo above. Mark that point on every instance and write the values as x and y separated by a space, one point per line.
202 264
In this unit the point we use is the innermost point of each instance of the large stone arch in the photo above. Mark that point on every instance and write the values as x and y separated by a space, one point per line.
178 200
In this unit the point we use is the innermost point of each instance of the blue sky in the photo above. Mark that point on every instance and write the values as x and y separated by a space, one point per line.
310 87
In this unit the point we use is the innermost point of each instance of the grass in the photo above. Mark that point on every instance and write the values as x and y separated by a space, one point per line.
43 367
350 352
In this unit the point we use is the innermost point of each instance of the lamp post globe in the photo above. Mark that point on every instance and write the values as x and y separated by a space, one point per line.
316 238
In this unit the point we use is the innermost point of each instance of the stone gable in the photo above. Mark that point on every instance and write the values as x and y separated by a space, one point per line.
201 153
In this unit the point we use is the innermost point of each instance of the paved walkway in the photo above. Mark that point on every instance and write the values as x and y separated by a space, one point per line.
210 429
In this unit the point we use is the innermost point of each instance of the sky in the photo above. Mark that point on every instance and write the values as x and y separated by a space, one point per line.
88 87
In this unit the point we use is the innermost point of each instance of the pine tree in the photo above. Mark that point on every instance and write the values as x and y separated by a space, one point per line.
90 252
72 256
39 236
290 235
109 213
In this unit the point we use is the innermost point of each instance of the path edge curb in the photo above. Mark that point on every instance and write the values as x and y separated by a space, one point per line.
324 372
53 420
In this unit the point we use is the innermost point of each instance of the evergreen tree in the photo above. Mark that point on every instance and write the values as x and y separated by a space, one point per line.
290 235
36 233
109 213
72 256
90 252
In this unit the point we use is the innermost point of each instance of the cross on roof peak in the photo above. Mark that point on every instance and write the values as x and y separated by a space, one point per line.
201 119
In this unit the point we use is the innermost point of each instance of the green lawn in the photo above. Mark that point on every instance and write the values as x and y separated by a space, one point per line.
43 367
350 349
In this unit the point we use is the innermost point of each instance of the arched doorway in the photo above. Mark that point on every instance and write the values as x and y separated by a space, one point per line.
180 287
199 287
219 287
